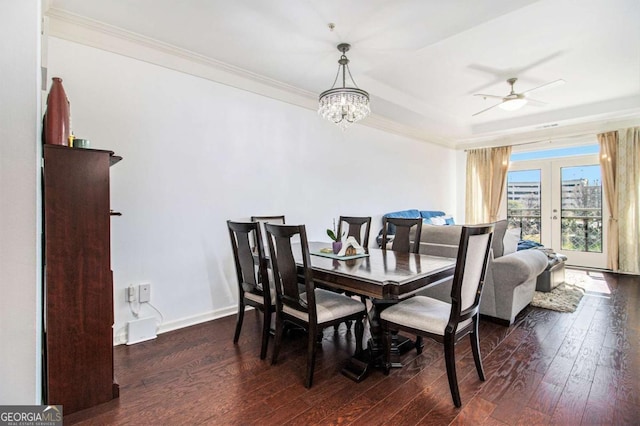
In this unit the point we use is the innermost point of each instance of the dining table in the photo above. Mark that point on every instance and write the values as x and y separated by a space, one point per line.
385 277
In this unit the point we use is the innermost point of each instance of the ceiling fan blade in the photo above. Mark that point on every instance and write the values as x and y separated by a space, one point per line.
488 96
546 86
486 109
535 102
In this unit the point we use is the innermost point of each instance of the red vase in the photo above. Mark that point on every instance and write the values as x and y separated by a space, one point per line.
56 119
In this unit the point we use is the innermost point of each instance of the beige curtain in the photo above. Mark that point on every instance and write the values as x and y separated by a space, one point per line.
486 177
628 186
608 154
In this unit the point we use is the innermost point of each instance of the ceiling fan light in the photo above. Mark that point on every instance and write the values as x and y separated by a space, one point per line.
513 104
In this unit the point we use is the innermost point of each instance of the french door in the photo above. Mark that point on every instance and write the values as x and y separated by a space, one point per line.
560 204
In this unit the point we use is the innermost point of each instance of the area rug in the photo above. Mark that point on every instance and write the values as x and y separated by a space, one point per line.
565 297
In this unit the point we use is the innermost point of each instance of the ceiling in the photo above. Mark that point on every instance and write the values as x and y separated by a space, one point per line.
421 60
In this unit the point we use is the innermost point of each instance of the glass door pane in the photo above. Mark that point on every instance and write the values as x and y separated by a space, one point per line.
524 203
581 209
578 230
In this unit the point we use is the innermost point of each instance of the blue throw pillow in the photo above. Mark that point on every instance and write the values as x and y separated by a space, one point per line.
526 244
428 214
404 214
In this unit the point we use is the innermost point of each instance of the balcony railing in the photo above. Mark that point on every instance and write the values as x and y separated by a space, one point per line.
528 220
581 228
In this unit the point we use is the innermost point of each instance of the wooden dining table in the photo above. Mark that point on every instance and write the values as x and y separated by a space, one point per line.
384 276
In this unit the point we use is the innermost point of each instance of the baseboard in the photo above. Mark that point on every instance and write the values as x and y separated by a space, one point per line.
186 322
197 319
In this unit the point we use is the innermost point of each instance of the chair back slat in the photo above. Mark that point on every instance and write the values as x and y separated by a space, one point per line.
355 228
403 236
249 274
471 268
262 220
285 269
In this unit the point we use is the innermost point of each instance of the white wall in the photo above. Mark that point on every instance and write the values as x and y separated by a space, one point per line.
197 153
20 285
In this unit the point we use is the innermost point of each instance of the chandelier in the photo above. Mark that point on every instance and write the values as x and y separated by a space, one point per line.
344 105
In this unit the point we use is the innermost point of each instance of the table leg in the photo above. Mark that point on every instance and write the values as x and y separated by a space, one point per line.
359 365
357 368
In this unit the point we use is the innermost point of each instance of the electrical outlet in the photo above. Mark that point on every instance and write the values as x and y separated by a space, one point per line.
145 293
131 294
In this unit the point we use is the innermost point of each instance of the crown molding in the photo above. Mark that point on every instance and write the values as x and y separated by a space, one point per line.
381 123
559 133
89 32
82 30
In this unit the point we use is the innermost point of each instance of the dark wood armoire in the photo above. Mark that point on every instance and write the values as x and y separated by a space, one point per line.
78 283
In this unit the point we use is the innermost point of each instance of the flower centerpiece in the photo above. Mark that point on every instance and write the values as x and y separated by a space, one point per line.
337 239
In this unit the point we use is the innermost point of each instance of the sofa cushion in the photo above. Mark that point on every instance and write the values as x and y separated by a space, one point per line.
440 240
510 241
438 220
498 236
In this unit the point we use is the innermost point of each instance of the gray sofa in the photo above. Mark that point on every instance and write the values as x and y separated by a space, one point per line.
511 279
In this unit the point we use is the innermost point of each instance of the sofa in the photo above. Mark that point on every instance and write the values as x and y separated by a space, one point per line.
434 217
511 278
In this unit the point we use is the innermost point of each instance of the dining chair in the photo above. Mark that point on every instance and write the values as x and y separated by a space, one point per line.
444 322
313 309
403 233
279 219
355 228
255 288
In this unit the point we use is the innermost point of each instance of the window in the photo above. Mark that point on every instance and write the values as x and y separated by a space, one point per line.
524 203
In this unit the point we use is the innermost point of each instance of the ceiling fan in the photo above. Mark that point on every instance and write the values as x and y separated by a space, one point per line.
513 100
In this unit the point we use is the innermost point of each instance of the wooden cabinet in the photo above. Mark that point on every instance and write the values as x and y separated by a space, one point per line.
78 283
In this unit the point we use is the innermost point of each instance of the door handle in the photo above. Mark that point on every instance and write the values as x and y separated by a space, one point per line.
555 218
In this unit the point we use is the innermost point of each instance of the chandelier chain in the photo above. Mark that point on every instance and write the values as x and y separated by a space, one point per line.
335 80
351 77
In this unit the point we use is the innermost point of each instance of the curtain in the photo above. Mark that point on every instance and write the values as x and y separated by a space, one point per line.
608 154
628 186
486 177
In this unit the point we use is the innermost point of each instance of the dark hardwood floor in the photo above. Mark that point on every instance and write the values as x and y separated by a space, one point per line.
547 368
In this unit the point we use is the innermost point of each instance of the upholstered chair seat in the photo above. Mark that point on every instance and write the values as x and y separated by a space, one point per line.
424 313
330 306
272 290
